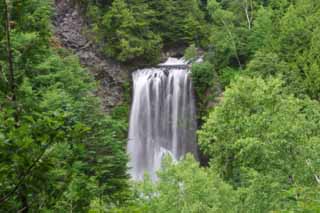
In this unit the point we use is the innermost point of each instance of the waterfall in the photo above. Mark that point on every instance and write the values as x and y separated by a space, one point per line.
163 117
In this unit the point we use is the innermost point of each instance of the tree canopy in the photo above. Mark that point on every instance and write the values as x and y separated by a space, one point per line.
257 90
54 155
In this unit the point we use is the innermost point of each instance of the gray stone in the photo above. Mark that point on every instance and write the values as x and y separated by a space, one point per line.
111 75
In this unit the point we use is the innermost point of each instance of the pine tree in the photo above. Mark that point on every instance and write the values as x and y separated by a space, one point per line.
51 149
126 28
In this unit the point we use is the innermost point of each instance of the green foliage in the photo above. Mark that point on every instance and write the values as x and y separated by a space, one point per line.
181 21
58 151
227 75
190 53
136 30
302 35
267 38
184 187
259 139
264 30
202 76
127 32
230 30
203 79
286 40
266 64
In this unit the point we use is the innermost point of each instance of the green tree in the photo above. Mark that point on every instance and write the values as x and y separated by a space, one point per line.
266 64
127 31
191 53
224 40
260 136
54 155
202 78
264 30
184 187
297 42
136 30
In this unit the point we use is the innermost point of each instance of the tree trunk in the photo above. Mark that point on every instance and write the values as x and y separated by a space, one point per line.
12 90
248 14
233 43
24 199
12 85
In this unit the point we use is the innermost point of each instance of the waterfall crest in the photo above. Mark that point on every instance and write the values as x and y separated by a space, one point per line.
163 117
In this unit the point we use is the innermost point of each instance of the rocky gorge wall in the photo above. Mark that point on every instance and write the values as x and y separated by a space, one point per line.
71 32
69 27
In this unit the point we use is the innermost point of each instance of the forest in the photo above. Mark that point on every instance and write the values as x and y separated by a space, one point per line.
257 96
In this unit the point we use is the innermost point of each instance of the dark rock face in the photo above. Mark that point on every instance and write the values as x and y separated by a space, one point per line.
69 26
174 51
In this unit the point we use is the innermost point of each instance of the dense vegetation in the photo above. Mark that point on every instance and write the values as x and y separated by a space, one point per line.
54 155
137 29
262 139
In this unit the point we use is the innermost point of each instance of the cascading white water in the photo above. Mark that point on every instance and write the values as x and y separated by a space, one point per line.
163 117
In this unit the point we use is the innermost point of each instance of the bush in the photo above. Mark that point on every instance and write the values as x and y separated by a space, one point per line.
263 141
190 53
184 187
227 75
202 76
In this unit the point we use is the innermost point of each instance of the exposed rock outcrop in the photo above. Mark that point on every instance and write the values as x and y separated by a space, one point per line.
69 26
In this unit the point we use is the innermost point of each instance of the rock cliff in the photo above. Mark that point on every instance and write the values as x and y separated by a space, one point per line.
69 26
